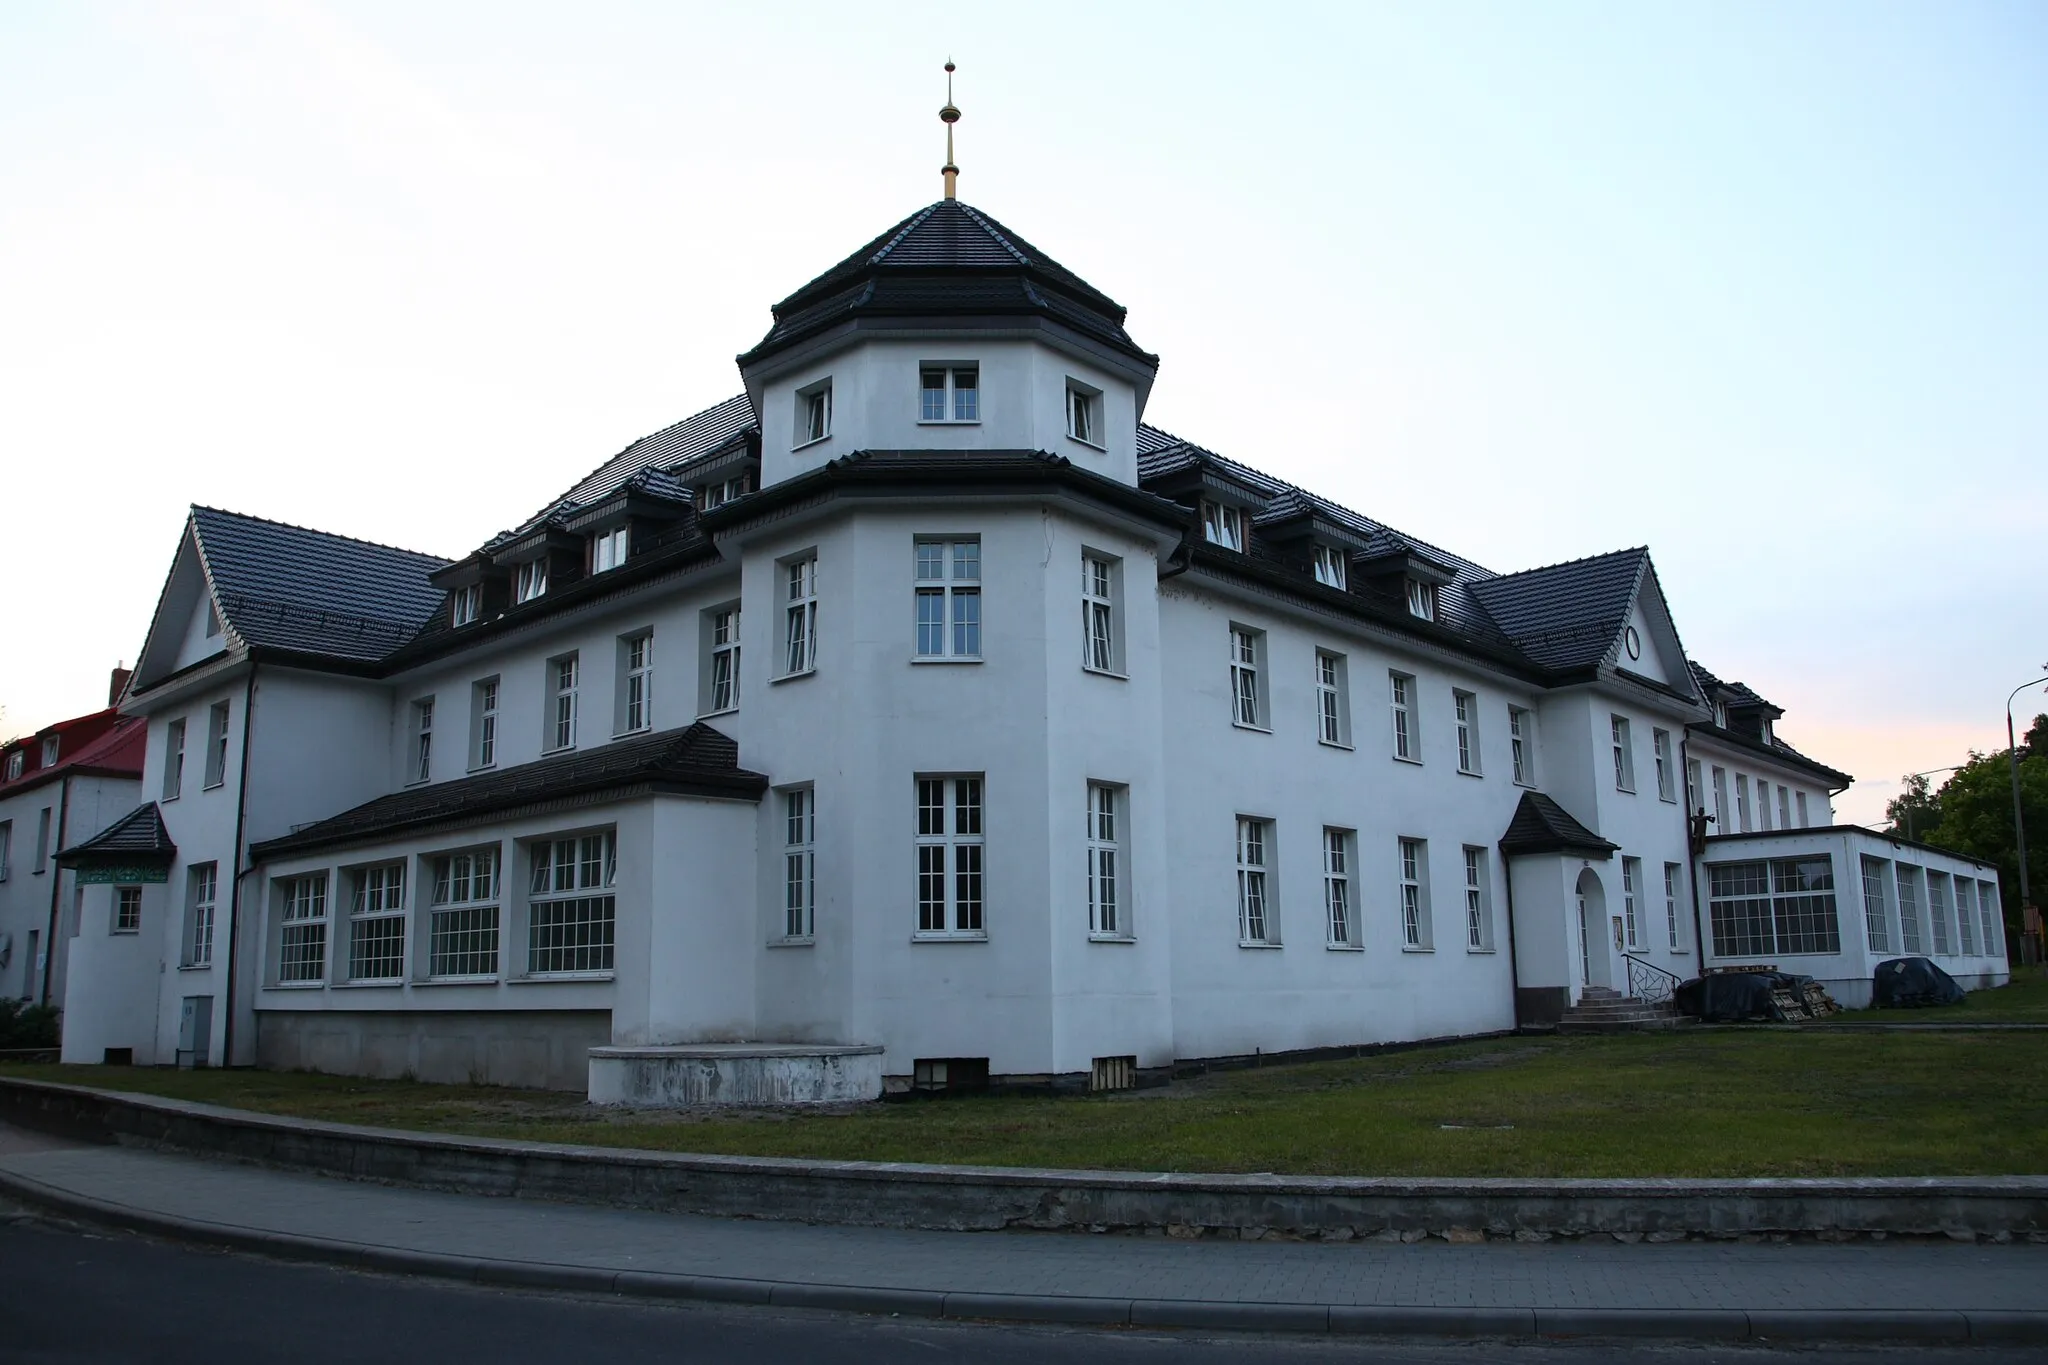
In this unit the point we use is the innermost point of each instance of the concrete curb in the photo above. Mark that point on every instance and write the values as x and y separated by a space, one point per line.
1393 1320
961 1198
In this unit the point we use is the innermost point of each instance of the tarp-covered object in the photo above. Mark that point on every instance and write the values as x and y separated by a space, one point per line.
1909 982
1730 997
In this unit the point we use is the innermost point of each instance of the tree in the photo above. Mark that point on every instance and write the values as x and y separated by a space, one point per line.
1913 812
1975 818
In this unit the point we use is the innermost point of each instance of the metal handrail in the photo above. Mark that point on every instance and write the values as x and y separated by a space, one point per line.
1653 985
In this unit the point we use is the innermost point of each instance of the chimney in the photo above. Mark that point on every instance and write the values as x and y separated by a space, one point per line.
117 683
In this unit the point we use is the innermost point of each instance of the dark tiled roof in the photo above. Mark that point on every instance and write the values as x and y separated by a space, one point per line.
1566 616
1542 826
138 834
948 259
664 450
286 587
696 760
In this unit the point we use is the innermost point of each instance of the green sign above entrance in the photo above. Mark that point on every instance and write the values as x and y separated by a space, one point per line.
126 876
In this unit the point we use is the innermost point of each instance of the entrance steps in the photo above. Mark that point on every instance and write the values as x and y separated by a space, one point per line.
1601 1010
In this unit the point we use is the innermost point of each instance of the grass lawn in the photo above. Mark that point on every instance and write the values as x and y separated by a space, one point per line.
1721 1103
2025 1001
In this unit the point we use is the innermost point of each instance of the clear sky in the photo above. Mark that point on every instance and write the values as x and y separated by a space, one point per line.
1759 285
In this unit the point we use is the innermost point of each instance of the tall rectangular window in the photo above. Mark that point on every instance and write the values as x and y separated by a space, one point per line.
1421 600
1467 708
1694 800
1763 804
1721 801
1330 566
174 758
1784 808
1478 901
564 684
1987 905
42 841
530 579
1222 525
1624 754
462 931
1414 892
949 856
1907 878
1631 883
6 847
800 616
1084 414
1966 914
376 924
1337 899
200 884
1406 742
1254 862
422 740
127 909
571 906
1742 802
467 604
1333 700
799 862
1245 648
636 673
949 599
483 723
1875 921
1100 644
1672 872
1660 747
813 413
1106 914
722 655
217 744
1519 739
302 929
608 549
949 393
1804 823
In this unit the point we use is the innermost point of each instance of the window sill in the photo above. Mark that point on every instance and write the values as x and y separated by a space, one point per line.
123 933
535 598
1084 441
1335 744
1400 759
1525 784
628 734
1255 729
195 966
1416 948
172 797
1668 800
1259 943
1470 772
977 937
212 786
1479 952
491 980
1345 947
792 677
552 978
418 782
296 986
1631 791
483 768
382 983
804 941
814 441
1106 673
563 749
949 421
1112 938
945 659
707 715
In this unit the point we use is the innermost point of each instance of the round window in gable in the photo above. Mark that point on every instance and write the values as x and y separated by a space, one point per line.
1632 642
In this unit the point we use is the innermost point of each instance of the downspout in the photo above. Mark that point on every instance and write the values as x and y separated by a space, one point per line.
1507 876
56 888
1692 869
227 1045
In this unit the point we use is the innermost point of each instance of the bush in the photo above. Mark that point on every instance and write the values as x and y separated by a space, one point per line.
27 1025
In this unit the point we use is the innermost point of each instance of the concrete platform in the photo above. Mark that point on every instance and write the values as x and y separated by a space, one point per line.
689 1074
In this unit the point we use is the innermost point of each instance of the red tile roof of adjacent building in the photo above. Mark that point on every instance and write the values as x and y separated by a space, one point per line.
100 744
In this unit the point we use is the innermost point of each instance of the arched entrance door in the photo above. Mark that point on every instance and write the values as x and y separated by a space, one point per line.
1594 960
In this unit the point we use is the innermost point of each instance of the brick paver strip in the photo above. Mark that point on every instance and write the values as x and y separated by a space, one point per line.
1691 1290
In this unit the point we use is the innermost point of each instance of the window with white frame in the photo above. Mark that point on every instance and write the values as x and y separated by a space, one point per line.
462 924
1907 878
571 908
174 758
1800 799
530 579
42 840
1784 808
302 929
1876 925
1414 891
1742 801
636 682
127 909
608 549
468 604
1478 901
1631 885
1466 707
1721 825
1255 917
949 393
17 763
201 882
813 412
1084 413
565 675
1101 639
6 847
1333 699
1660 748
1247 706
949 857
799 863
1331 566
217 744
376 923
719 492
1107 917
1694 800
1421 599
1763 804
1779 906
1222 525
722 655
1407 739
1624 754
1994 922
51 743
1672 872
800 616
1966 914
1521 738
483 723
1339 914
422 765
949 598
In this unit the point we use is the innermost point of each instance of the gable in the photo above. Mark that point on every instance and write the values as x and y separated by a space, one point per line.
177 631
1659 655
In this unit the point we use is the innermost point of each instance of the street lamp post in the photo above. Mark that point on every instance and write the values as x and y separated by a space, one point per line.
1954 767
2019 824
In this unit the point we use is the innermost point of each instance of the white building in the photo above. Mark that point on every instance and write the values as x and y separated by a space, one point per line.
923 702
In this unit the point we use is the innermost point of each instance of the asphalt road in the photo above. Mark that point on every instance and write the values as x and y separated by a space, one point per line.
70 1296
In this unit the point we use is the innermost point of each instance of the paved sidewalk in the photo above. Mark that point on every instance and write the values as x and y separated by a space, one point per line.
1688 1290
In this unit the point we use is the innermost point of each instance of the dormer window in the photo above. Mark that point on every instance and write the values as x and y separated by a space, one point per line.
1223 526
608 549
949 394
723 491
1721 714
50 750
1330 566
1084 413
1768 737
1421 599
531 580
469 604
814 413
16 761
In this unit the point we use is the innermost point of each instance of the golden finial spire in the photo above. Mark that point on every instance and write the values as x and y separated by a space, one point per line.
949 116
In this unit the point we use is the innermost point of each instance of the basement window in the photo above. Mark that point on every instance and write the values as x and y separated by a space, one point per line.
933 1075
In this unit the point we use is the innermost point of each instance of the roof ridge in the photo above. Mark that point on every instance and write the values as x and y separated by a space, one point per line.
989 225
1569 563
316 531
910 225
